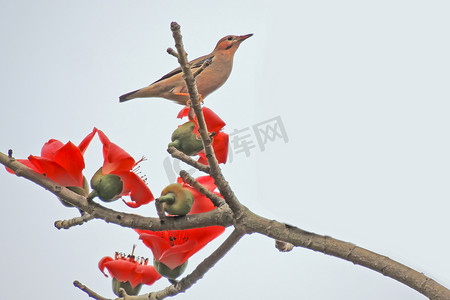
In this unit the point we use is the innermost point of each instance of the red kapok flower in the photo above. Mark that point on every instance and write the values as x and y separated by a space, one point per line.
62 163
201 202
220 146
128 268
174 247
214 124
212 120
120 163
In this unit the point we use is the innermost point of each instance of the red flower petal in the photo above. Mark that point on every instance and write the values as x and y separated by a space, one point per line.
179 254
174 247
49 149
54 171
126 270
204 235
213 121
220 145
156 243
136 188
115 158
207 181
148 274
184 112
27 163
201 204
201 236
102 262
122 270
86 141
202 159
70 158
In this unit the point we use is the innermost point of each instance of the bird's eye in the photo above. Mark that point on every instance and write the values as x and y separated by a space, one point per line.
230 38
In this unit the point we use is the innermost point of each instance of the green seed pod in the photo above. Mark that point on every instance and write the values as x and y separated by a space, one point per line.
165 271
107 187
185 140
96 178
116 285
176 200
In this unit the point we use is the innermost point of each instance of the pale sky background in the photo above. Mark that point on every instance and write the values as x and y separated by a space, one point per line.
361 87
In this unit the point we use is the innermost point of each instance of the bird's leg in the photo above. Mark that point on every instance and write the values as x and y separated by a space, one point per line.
181 94
191 114
187 95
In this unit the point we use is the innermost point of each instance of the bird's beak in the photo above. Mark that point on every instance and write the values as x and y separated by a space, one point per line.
242 38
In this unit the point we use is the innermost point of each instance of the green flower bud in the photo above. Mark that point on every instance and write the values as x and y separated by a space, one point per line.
176 200
116 284
165 271
96 178
185 140
107 187
83 191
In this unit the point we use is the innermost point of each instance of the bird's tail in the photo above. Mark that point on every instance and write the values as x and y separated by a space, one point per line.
127 96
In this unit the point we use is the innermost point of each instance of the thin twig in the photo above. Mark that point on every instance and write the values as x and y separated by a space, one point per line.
160 211
218 201
66 224
200 270
172 52
187 159
88 291
205 64
216 172
122 292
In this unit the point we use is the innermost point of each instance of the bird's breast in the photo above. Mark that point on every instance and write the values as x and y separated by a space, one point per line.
213 77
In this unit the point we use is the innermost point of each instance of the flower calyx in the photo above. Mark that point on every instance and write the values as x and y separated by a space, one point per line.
176 200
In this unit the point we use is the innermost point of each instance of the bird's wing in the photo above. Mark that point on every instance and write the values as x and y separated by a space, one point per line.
196 63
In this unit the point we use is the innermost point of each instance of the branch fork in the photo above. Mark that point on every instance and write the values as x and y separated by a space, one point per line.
230 212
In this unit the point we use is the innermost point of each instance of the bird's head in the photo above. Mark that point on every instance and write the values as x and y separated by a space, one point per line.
230 43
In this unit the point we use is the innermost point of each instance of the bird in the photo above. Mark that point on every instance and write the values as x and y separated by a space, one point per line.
172 85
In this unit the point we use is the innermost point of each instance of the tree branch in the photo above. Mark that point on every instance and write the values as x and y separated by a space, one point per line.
216 173
286 233
88 291
172 52
249 222
184 283
187 159
160 210
218 201
94 295
244 220
205 64
346 251
201 269
66 224
219 216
